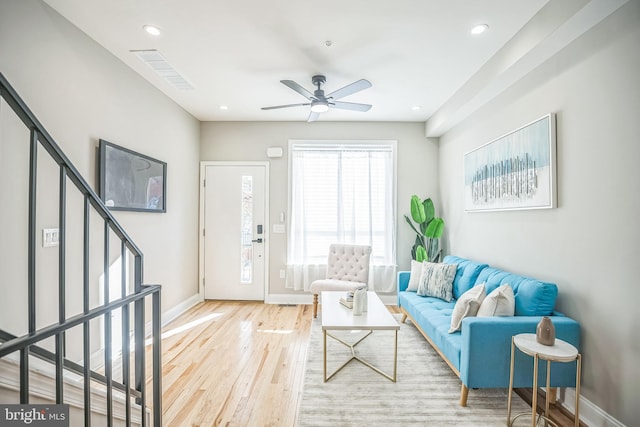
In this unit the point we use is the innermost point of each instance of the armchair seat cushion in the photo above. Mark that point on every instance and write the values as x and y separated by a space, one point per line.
334 285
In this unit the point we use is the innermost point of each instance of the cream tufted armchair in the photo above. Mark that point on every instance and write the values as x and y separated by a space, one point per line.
347 270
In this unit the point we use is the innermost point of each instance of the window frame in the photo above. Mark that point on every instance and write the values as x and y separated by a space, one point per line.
332 145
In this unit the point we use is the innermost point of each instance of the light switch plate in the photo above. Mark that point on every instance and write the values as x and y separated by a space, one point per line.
50 237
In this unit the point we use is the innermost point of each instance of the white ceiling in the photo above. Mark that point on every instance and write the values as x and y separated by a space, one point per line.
414 52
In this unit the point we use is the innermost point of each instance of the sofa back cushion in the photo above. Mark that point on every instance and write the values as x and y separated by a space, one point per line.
533 297
466 274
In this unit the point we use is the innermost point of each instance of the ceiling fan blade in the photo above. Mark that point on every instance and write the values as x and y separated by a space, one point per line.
295 86
349 89
313 116
350 106
286 106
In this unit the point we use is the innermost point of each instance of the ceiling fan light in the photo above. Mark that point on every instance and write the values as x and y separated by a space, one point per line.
319 107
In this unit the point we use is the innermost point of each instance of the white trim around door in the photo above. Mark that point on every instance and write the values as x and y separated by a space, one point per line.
201 240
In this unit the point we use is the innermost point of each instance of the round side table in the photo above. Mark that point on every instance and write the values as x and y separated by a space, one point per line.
561 351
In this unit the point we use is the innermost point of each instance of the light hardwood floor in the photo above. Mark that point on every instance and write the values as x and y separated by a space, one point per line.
241 364
234 364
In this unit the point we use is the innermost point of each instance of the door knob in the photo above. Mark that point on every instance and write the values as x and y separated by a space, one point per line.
257 240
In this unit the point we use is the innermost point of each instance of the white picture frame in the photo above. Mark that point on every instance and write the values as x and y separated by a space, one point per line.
515 171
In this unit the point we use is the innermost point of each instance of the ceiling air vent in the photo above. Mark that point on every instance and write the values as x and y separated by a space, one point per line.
159 64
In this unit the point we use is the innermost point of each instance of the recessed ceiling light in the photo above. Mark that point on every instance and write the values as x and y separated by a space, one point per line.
479 29
224 107
152 29
416 107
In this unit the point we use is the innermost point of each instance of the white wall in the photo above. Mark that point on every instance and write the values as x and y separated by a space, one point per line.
81 93
589 244
417 168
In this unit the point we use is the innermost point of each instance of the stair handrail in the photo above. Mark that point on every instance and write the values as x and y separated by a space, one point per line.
38 134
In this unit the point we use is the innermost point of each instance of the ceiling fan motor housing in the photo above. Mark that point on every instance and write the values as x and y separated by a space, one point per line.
318 79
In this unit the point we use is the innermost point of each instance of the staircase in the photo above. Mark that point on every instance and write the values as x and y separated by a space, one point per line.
57 345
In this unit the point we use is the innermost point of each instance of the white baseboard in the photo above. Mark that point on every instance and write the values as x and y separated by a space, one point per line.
175 312
590 414
307 298
295 299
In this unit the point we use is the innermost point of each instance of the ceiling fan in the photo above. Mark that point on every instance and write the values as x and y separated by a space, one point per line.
320 102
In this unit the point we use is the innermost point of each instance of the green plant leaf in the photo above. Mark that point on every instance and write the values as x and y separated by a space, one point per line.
429 210
421 254
435 228
417 210
413 227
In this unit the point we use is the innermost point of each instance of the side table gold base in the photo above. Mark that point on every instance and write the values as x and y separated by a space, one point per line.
574 355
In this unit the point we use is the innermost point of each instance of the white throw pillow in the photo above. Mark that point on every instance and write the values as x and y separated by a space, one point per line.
437 280
500 302
414 278
467 306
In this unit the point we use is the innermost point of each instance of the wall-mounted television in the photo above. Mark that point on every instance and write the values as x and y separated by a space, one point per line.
131 181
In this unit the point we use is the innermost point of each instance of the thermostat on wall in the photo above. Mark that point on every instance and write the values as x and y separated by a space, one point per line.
274 152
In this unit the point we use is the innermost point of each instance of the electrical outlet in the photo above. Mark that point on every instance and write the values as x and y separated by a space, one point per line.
283 274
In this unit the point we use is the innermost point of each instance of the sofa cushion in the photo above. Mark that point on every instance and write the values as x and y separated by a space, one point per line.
437 280
433 316
466 274
414 277
533 297
500 302
466 306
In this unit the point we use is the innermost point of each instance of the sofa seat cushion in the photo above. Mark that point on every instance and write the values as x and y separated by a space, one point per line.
433 316
533 297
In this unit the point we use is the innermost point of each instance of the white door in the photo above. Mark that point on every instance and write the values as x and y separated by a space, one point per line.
234 231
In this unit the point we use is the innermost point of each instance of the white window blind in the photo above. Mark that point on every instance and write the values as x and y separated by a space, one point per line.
341 192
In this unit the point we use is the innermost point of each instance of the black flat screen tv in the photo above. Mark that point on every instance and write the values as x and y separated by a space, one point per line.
131 181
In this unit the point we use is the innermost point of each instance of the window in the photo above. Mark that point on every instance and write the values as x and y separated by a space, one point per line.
341 192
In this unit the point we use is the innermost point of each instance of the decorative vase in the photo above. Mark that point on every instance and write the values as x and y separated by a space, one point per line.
359 301
546 332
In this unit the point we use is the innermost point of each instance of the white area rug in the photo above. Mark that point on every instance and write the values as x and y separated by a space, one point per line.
426 393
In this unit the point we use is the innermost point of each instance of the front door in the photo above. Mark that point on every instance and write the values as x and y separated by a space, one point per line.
234 230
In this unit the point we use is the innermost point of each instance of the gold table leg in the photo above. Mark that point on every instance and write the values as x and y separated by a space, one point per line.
359 359
325 355
509 422
534 399
578 373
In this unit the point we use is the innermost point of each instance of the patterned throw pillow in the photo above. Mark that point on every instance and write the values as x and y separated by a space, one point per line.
436 280
500 302
467 306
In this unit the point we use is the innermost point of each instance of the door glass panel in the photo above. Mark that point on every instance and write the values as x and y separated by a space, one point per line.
246 231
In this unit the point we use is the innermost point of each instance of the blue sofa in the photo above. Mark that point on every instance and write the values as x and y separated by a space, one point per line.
480 354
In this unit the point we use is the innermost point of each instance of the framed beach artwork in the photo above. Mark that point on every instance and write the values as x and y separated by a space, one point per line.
514 171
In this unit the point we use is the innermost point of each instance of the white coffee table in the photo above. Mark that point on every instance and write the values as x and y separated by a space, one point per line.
336 317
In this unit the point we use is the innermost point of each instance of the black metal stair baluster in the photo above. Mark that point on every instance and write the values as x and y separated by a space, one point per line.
139 341
85 328
126 354
157 364
107 328
60 341
31 264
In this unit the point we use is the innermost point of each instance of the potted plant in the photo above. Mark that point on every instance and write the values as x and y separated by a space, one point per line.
428 230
